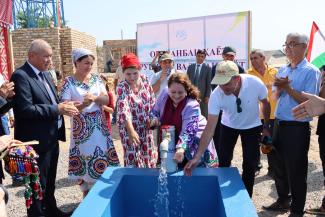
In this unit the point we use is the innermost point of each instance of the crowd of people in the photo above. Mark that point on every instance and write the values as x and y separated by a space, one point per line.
208 107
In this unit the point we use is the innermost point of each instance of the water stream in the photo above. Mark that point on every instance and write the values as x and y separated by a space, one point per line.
161 205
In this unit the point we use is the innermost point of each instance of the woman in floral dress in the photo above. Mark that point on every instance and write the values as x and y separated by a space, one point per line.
91 147
134 104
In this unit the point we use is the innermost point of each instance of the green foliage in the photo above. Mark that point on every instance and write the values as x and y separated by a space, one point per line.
34 20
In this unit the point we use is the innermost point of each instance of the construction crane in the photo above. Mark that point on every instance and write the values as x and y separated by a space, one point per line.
38 13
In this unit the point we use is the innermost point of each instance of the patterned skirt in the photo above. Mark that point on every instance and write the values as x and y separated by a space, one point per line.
91 148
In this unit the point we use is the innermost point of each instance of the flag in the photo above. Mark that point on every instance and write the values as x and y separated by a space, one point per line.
316 47
6 12
58 12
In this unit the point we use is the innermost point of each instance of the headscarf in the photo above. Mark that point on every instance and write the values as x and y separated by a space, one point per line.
80 52
130 60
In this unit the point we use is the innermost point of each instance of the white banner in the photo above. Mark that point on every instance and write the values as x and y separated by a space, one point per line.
184 37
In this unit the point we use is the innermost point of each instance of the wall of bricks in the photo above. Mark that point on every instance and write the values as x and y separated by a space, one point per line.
100 60
62 40
115 49
21 39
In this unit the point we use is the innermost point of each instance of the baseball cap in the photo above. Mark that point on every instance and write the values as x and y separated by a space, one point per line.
229 50
166 56
224 72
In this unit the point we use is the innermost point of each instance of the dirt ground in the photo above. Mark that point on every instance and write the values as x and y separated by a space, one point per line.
69 196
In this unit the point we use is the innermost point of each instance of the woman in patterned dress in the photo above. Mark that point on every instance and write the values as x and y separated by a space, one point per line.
179 106
134 104
91 147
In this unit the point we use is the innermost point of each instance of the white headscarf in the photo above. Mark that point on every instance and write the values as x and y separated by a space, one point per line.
80 52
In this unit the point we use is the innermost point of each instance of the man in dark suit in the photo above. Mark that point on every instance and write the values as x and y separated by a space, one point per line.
38 116
200 75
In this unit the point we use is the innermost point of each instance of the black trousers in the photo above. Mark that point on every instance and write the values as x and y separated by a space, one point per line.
290 161
250 147
321 143
271 125
47 163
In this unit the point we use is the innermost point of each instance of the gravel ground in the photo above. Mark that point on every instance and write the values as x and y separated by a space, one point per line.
69 196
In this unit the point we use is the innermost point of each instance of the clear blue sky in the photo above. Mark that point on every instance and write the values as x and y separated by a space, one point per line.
271 19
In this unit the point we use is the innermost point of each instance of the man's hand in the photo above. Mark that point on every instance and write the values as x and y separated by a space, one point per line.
157 54
282 83
68 108
190 166
163 75
314 106
206 100
7 89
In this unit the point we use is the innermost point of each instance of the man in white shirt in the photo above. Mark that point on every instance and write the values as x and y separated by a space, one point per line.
238 96
159 80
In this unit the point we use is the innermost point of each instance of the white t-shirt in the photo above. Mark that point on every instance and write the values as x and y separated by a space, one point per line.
164 83
251 92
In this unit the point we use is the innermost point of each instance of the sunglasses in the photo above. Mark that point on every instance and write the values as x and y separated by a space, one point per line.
238 103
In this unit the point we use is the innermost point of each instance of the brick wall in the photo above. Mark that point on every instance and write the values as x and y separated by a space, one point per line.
116 49
22 38
71 39
100 60
63 41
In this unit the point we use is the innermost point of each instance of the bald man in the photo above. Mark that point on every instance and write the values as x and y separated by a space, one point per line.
38 116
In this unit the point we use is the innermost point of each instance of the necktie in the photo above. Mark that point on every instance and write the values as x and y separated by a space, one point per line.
47 87
51 94
197 76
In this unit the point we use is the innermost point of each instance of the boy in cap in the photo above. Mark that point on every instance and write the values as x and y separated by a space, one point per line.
159 80
238 95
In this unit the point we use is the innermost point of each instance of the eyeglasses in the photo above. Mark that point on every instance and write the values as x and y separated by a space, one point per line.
291 45
238 103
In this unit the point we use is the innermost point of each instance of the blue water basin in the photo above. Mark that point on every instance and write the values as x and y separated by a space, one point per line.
130 192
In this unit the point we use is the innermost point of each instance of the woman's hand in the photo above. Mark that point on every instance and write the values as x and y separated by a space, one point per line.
134 138
179 155
88 99
152 124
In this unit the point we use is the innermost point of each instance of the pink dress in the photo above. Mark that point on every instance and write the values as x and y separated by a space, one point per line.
137 107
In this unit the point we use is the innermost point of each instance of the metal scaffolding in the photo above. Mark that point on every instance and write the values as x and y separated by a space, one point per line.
38 13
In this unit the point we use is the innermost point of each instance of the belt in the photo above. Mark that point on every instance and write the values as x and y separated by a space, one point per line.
291 123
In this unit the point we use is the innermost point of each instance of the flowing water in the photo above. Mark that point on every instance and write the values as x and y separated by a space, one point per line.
162 198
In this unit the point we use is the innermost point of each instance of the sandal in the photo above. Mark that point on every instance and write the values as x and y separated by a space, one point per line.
316 211
6 193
